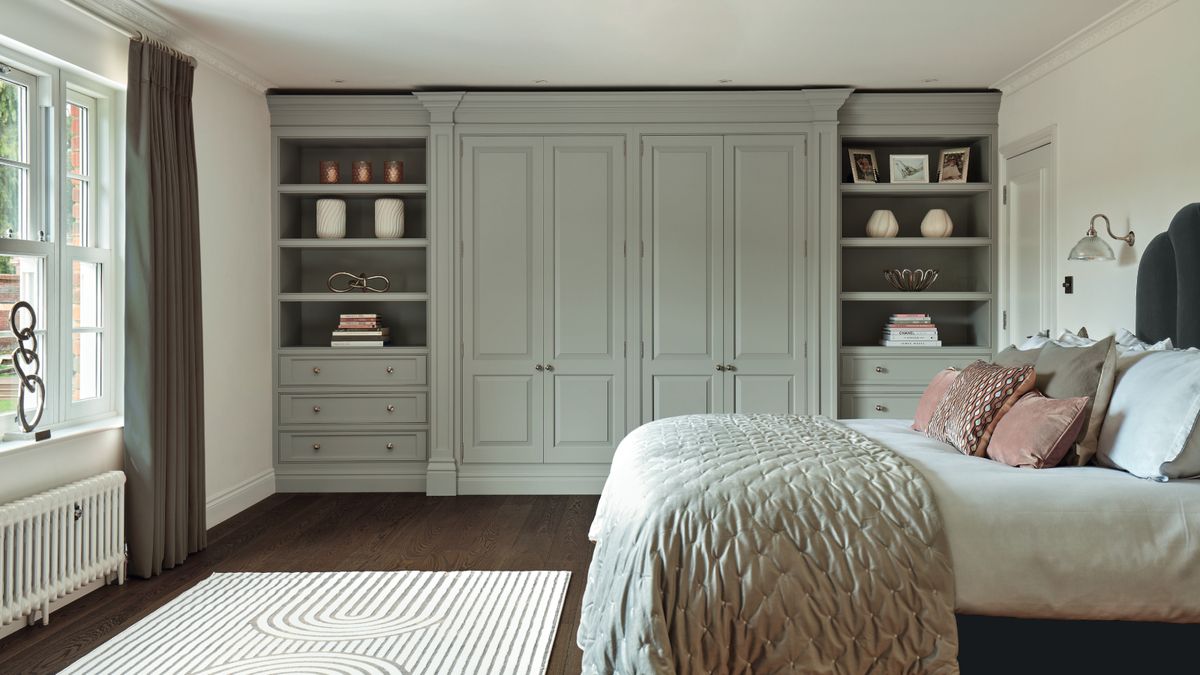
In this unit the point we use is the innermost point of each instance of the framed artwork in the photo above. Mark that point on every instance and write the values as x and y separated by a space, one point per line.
909 168
863 166
952 165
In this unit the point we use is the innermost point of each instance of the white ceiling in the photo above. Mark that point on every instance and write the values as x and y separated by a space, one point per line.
413 44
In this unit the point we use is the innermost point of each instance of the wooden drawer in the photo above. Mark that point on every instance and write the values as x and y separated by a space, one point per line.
891 370
353 446
862 405
401 408
352 371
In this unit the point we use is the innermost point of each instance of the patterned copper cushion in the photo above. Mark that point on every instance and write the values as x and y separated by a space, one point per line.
974 404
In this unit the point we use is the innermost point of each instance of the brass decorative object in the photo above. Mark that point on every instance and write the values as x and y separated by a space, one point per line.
356 282
31 381
910 280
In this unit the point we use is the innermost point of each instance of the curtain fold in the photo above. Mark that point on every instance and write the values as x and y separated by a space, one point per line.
164 365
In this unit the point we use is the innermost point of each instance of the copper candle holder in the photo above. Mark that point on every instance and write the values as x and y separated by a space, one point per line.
393 171
361 171
330 172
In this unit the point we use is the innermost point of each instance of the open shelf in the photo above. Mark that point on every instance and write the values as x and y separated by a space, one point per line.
307 269
297 214
300 158
968 270
961 322
915 242
971 212
307 322
978 164
356 243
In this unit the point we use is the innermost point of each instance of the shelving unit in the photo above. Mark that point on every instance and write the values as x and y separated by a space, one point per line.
877 381
350 417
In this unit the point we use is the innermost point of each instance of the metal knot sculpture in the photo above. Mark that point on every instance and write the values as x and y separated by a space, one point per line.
31 381
356 282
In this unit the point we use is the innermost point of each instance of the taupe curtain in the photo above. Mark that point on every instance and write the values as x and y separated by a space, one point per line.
164 385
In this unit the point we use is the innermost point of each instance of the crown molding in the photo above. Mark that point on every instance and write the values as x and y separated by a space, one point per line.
133 17
1115 22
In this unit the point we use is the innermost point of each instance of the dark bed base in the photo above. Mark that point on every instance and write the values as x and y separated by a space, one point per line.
1035 646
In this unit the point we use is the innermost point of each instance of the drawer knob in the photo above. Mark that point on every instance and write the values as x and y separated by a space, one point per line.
549 368
391 408
316 370
539 367
390 370
880 369
390 446
316 409
731 367
316 447
720 368
880 408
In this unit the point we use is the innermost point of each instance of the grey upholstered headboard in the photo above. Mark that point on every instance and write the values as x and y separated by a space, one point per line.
1168 289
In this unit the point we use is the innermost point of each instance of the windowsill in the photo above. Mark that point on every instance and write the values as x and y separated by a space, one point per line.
67 433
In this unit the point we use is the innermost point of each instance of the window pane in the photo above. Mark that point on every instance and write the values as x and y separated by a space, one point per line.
85 349
85 293
77 140
77 219
21 278
14 202
14 121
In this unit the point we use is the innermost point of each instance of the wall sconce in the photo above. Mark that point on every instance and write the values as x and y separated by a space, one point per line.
1092 247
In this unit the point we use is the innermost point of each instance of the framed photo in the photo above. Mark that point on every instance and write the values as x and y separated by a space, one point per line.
909 168
863 166
952 165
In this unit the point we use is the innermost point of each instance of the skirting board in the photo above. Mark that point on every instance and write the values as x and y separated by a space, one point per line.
530 485
350 483
229 503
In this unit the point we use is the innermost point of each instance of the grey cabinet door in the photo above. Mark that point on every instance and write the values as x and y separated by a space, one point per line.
682 275
584 317
765 279
503 290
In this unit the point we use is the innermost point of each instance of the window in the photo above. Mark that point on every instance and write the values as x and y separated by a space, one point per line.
57 166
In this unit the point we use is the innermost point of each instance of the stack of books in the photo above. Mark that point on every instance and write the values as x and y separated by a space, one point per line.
360 330
910 330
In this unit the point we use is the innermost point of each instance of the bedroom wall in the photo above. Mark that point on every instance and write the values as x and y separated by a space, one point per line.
233 135
1128 147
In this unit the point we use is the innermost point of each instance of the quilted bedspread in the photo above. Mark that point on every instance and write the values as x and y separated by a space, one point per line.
765 544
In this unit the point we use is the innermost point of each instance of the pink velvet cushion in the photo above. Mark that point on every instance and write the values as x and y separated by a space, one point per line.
1038 431
932 396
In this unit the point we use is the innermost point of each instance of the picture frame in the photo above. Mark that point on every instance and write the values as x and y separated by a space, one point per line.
864 168
909 168
952 165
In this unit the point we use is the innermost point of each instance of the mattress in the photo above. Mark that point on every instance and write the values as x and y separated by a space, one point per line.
1062 543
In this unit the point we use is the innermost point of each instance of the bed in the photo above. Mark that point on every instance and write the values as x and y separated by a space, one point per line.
773 543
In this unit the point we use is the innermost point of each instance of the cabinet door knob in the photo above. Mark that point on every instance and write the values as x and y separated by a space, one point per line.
731 367
539 368
316 370
549 368
316 409
879 369
390 370
880 408
390 446
720 368
316 447
391 408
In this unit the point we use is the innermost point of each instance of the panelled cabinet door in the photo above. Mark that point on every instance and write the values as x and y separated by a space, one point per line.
765 274
682 275
585 297
503 291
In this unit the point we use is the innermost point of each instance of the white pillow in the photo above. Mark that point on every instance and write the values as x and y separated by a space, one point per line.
1067 339
1127 342
1150 429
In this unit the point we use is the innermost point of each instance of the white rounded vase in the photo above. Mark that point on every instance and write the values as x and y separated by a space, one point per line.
389 218
882 224
331 219
937 224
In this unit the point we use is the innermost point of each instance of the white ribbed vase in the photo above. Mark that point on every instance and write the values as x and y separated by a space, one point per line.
331 219
389 218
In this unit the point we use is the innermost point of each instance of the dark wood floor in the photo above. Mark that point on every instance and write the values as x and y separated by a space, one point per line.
291 533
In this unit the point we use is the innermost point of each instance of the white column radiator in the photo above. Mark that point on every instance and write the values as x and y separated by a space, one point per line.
54 543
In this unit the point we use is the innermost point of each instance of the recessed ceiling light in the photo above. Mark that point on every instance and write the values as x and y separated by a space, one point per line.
724 81
539 81
929 80
338 81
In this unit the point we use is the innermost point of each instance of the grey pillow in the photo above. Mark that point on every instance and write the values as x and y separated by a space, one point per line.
1068 372
1015 358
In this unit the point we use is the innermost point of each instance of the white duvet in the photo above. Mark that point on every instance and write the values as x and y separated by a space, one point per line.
1063 543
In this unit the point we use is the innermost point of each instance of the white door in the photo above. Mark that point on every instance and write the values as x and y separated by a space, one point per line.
1032 264
765 312
682 275
585 298
503 294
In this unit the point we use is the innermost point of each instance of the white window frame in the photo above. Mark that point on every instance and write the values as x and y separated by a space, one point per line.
52 88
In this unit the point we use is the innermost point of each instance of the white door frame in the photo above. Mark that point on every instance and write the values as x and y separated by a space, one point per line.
1034 141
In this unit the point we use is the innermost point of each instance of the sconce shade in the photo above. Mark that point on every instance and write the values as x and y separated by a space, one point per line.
1091 247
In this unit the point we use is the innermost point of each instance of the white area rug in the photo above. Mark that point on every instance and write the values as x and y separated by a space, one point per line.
361 623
